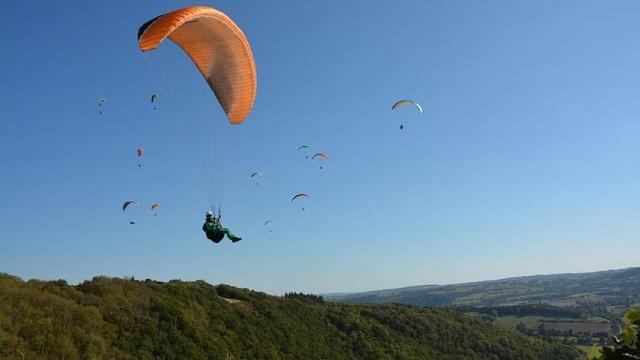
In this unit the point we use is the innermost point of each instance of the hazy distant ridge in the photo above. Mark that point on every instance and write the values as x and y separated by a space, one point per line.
612 286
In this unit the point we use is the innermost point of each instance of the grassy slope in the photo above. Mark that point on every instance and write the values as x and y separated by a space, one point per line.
114 318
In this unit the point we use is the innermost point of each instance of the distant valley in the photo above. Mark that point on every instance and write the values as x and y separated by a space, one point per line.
583 309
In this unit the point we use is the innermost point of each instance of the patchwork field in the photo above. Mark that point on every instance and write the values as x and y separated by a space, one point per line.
576 327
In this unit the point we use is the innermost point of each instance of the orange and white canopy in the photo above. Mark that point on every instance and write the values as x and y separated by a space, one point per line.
217 47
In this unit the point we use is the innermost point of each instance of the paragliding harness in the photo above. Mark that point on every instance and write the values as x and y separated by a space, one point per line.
214 230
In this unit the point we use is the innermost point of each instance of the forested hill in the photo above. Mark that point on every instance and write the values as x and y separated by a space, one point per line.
109 318
613 287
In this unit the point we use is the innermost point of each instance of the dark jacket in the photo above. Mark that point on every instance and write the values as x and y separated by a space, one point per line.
213 231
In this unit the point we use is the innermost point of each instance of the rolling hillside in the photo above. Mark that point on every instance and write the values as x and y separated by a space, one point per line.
108 318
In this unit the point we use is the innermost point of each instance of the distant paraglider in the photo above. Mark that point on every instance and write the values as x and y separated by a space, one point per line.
140 152
305 149
300 196
126 205
100 104
155 208
322 155
403 103
256 175
154 100
267 225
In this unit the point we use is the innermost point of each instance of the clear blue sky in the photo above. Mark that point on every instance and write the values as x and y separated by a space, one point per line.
526 161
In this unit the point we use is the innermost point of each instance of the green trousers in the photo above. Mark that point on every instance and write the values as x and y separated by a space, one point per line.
216 234
229 234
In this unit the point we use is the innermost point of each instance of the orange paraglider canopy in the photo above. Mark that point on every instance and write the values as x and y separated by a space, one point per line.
217 47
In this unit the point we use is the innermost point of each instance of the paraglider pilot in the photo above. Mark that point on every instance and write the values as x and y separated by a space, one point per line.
214 230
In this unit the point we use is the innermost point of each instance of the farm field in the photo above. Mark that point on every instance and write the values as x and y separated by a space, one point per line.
576 327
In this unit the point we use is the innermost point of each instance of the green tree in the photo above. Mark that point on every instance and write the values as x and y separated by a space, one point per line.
627 345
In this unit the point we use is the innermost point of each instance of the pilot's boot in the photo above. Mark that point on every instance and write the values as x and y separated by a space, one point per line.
232 237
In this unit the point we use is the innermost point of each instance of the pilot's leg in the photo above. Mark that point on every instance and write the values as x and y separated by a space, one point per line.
230 235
